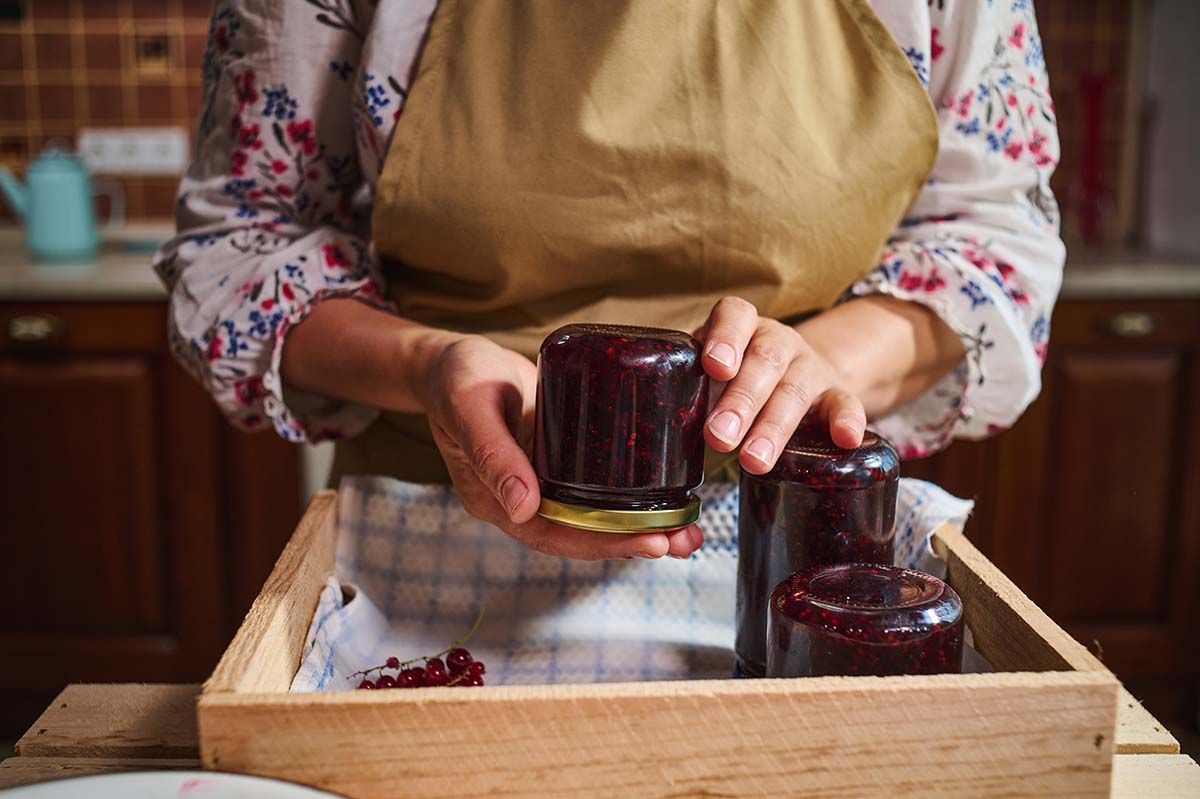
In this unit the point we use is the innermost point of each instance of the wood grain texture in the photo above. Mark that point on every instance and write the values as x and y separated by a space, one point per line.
27 770
978 735
265 653
1010 631
132 720
1138 732
1155 777
981 735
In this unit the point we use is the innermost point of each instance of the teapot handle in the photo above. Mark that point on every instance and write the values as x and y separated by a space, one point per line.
116 201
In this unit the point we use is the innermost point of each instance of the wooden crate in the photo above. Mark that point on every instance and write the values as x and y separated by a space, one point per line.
1044 726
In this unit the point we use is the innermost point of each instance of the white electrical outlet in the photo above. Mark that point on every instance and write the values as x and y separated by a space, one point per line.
134 151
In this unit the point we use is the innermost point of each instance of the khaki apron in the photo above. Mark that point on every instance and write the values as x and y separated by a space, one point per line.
633 162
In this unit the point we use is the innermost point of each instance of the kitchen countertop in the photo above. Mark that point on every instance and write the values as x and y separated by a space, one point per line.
1130 275
121 272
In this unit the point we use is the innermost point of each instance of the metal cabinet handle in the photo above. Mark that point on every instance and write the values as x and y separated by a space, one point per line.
36 328
1132 324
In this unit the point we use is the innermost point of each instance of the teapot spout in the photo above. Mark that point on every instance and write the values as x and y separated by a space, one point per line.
15 191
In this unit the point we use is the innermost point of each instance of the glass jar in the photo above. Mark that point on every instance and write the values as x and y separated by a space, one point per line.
819 505
619 432
863 619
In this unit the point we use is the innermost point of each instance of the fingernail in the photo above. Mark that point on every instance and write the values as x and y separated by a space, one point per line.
723 354
726 426
646 556
679 557
513 491
761 449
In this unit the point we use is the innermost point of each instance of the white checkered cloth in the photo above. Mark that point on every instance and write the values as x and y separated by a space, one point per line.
413 569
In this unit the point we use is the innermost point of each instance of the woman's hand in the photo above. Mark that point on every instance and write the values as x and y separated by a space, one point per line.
480 400
774 378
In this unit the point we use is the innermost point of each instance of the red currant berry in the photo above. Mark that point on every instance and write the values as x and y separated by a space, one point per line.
435 664
418 674
458 660
366 685
435 678
477 669
473 681
393 662
386 681
406 679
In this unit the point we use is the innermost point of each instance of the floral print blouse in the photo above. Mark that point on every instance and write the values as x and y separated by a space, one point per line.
300 99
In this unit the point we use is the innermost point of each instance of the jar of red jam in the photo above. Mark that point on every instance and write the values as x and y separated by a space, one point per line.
863 619
618 441
819 505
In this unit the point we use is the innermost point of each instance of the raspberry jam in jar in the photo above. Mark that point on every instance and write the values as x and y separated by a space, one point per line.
618 441
863 619
819 505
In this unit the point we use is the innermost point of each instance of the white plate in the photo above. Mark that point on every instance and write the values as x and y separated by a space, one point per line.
166 785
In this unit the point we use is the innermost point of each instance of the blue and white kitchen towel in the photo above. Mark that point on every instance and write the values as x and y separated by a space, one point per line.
413 569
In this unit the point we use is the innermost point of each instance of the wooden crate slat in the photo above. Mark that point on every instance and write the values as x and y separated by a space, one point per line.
1046 725
266 651
963 736
1012 632
117 721
1155 777
27 770
1138 732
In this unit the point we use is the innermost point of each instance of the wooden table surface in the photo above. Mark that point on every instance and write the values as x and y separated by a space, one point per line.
103 729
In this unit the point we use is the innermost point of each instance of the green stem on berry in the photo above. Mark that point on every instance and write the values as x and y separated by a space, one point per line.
405 663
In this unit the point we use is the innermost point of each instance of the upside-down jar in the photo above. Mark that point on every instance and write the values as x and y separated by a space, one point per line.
863 619
618 439
819 505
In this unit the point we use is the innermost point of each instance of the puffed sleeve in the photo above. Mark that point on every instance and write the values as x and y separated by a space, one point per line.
272 213
980 247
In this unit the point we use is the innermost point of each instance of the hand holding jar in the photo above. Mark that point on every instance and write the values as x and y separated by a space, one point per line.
480 401
775 377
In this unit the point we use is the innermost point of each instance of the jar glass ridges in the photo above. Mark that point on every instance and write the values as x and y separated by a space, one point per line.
863 619
618 442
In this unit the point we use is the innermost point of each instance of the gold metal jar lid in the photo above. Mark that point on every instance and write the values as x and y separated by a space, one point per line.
620 521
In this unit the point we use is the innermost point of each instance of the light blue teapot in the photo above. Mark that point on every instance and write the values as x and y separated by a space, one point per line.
56 207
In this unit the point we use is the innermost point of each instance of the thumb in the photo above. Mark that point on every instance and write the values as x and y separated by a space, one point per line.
498 460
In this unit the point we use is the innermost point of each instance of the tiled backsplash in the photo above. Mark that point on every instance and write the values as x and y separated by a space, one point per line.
70 64
1089 42
75 63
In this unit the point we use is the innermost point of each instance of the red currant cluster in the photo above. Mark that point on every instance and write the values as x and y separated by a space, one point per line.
459 668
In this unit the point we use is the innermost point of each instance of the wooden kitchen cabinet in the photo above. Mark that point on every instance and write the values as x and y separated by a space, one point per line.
137 525
1091 503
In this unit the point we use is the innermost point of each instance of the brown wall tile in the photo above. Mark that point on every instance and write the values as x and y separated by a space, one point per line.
150 9
106 106
155 105
12 104
159 196
57 101
101 9
104 51
52 51
10 50
53 9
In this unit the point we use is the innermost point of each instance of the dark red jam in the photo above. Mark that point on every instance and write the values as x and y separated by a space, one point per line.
820 505
620 417
863 619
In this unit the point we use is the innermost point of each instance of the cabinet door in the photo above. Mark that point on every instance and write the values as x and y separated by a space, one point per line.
1090 503
1120 510
109 479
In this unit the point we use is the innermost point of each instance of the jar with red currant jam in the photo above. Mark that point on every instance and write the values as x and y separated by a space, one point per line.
863 619
618 440
819 505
